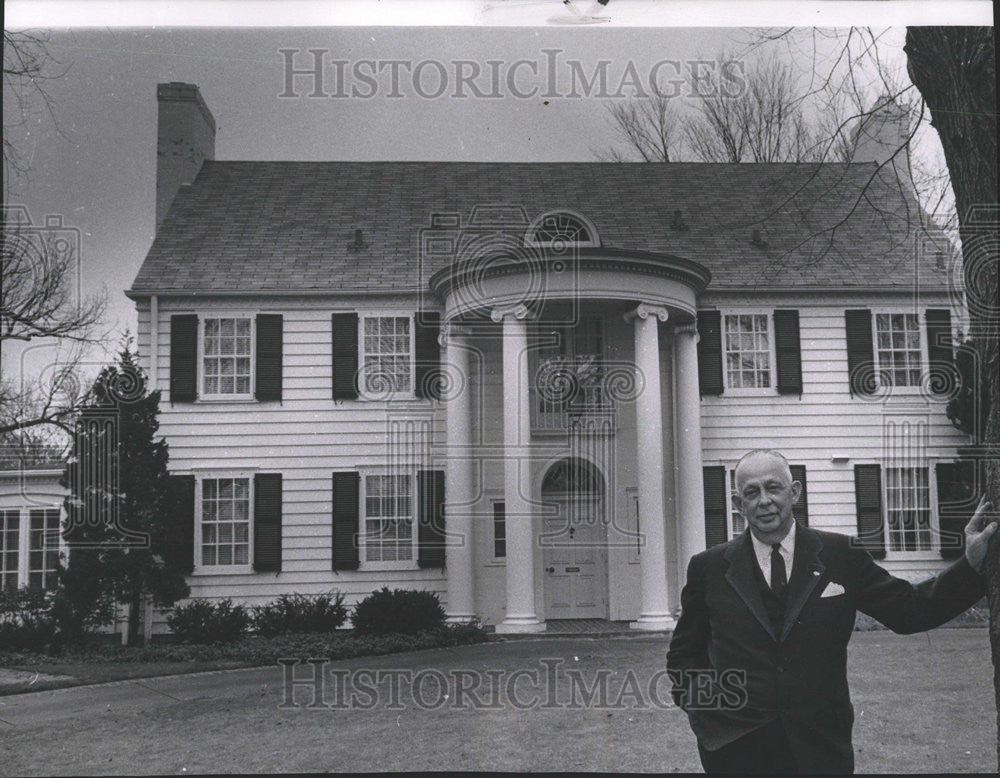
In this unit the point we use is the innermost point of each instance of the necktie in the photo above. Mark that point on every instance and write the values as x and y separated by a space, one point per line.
779 579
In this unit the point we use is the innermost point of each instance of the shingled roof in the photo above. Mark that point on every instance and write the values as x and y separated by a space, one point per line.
257 227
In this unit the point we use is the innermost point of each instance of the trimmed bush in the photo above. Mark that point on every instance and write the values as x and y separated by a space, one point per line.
402 611
300 613
26 620
254 650
200 621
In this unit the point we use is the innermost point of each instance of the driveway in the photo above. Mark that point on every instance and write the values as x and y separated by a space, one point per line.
924 703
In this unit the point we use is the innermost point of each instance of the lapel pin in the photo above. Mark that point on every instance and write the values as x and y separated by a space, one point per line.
815 572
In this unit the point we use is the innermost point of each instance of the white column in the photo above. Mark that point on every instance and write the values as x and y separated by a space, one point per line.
687 437
458 485
520 615
655 613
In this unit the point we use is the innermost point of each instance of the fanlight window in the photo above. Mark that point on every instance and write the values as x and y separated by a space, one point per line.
562 227
572 475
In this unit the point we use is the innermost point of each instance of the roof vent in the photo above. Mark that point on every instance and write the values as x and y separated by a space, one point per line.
358 243
677 223
757 239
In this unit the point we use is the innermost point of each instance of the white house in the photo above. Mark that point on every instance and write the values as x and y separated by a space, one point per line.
524 386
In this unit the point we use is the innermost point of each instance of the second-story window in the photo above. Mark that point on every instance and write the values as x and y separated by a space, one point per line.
387 354
226 356
897 348
747 351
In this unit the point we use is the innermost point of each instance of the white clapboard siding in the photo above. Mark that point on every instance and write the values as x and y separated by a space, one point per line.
308 435
825 421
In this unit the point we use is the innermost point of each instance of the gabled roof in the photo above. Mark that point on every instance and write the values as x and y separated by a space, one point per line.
258 227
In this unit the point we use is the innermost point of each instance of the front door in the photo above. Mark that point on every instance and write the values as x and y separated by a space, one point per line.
576 560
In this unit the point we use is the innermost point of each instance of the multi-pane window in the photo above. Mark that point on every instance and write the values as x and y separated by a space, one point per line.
499 530
747 351
908 508
387 352
10 541
226 356
569 370
388 533
897 340
225 521
43 547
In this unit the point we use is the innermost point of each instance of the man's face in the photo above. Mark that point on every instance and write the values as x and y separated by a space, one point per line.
765 495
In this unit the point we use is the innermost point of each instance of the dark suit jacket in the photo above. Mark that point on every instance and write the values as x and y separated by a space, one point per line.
800 671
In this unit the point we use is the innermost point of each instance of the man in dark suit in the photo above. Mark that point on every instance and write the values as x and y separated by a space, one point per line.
758 659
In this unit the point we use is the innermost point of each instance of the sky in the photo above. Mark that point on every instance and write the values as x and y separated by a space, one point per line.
93 159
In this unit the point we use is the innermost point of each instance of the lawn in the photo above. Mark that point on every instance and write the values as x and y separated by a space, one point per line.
923 704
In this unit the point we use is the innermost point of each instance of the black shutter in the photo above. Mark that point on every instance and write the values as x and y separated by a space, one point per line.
427 378
860 352
788 351
183 358
346 520
269 356
430 529
710 352
345 356
868 500
801 509
939 355
182 495
716 505
956 504
267 522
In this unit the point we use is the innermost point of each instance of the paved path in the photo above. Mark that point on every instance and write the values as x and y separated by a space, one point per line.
241 720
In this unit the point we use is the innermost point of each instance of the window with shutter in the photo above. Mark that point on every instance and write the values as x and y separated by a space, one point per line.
224 519
227 348
386 356
746 346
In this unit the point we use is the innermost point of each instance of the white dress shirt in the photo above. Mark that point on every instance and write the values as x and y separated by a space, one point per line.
763 553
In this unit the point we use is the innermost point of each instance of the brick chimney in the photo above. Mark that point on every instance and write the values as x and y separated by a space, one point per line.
881 133
185 139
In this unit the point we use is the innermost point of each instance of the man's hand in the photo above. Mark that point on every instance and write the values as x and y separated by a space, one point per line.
978 532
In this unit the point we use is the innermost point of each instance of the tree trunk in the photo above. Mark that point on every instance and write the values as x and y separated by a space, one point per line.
955 71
